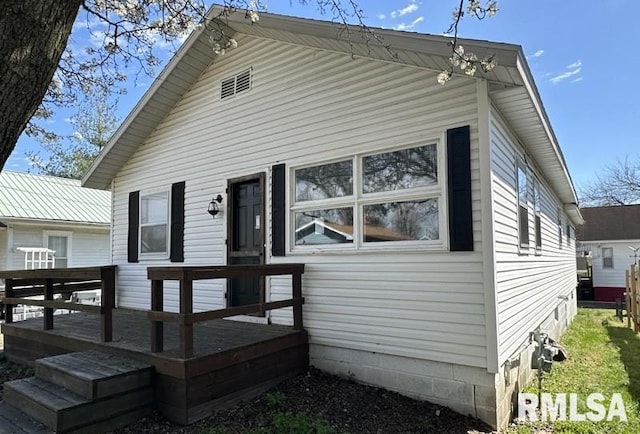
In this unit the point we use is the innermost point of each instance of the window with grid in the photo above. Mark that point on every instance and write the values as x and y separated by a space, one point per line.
154 224
377 199
607 257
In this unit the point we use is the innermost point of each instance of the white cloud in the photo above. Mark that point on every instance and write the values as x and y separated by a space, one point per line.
410 26
381 16
573 70
577 80
408 9
538 53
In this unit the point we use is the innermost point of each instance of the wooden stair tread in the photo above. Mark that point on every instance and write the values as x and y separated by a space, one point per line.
94 374
93 365
14 421
64 411
51 396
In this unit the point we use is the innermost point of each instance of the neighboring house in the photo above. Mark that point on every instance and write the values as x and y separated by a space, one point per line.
612 236
441 216
48 222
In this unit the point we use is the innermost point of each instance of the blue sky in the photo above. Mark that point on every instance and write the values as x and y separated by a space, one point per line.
583 55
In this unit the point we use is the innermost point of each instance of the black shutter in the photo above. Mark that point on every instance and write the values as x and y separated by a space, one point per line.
177 222
459 189
278 211
134 216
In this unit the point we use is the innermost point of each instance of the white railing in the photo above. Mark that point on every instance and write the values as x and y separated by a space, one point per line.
38 258
35 258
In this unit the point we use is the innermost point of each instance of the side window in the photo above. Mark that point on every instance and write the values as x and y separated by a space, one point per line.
523 205
607 257
537 210
559 230
154 224
60 242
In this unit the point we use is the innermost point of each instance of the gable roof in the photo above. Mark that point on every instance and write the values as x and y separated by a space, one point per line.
24 196
511 86
610 223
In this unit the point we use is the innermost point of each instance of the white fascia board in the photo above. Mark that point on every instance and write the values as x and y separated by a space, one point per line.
569 197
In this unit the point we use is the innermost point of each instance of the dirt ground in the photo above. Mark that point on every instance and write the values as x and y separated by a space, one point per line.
346 406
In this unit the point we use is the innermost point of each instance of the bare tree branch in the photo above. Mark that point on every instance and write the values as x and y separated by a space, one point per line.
617 184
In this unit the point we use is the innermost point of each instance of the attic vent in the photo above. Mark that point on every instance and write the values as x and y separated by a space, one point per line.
236 84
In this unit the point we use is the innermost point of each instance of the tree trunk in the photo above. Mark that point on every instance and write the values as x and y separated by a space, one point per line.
33 36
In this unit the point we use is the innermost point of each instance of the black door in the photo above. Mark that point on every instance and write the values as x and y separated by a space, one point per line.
246 239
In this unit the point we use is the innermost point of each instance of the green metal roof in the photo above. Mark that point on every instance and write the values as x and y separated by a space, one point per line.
25 196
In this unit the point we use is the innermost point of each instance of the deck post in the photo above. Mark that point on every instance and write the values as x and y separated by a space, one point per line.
633 279
296 283
157 327
8 308
107 297
627 294
48 311
186 307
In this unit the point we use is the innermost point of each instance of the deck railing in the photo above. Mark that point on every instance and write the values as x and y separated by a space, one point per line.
20 284
186 318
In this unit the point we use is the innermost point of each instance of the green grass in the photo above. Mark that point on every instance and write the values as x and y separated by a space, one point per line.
604 357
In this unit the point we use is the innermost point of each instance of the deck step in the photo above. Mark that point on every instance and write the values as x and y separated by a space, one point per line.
94 374
14 421
84 392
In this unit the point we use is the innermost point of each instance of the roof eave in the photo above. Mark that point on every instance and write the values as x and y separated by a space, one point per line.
35 221
98 175
107 165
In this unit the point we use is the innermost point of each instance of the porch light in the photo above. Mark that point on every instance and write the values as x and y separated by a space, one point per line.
214 208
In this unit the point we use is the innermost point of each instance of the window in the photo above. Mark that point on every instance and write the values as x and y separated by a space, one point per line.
559 230
523 205
607 257
375 199
568 234
537 210
234 85
60 242
154 224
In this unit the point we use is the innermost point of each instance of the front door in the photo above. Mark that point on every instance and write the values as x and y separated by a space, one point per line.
246 237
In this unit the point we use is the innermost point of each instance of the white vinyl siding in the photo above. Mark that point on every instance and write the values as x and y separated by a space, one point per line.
3 248
308 106
529 287
90 245
622 259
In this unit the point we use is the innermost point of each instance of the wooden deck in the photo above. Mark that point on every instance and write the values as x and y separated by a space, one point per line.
231 360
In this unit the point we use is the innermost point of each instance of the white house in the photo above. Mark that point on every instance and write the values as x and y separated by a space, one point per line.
612 236
50 222
297 125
